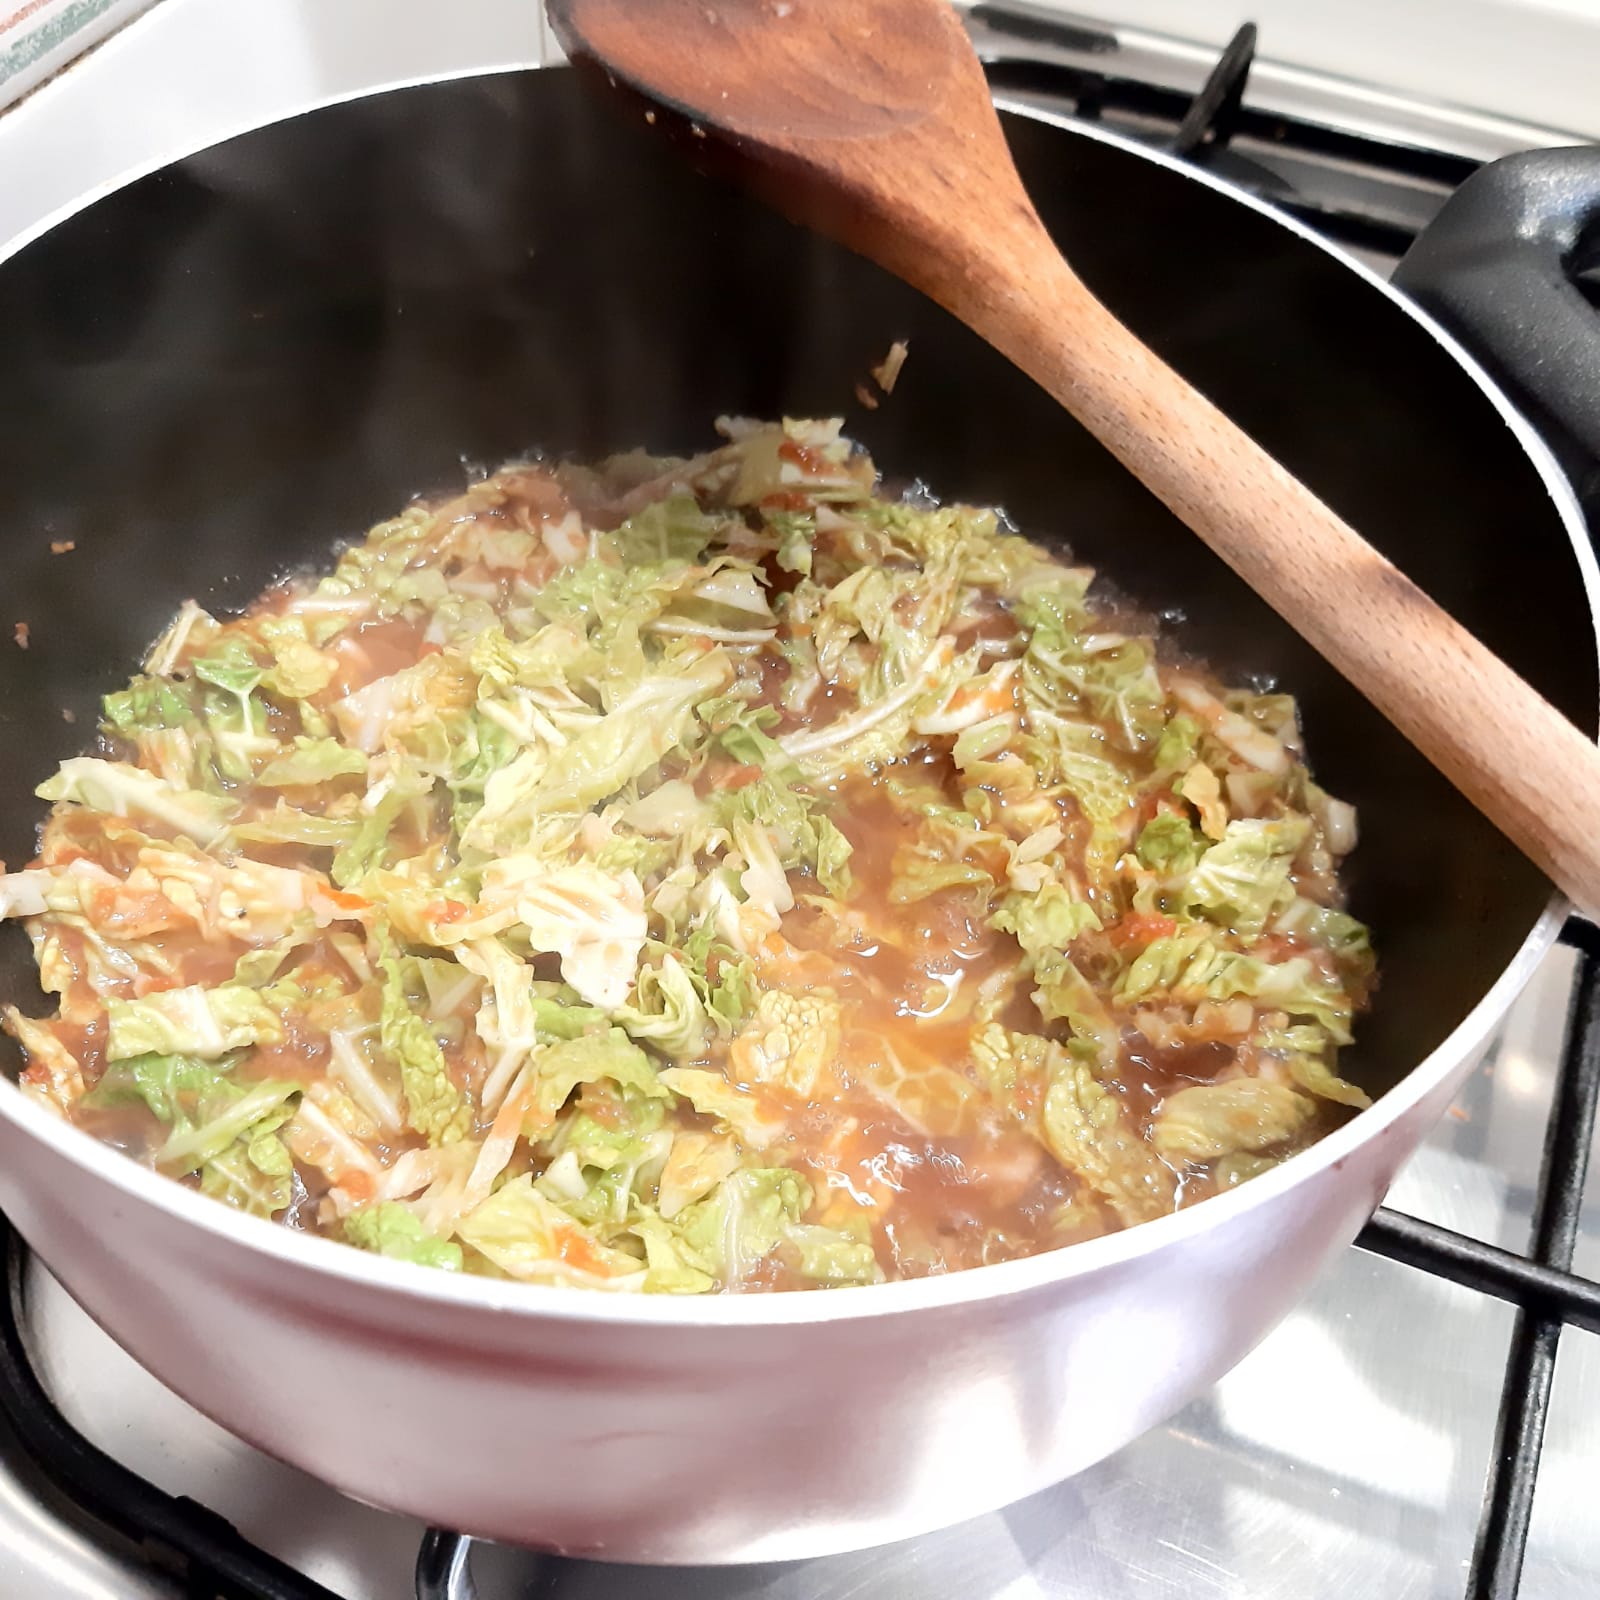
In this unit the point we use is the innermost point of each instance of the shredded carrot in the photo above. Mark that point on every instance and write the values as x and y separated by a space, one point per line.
1141 927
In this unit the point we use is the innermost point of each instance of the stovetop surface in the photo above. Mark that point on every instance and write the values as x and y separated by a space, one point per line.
1346 1456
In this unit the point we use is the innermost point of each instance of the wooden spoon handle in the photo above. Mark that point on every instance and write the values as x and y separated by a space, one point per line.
1522 763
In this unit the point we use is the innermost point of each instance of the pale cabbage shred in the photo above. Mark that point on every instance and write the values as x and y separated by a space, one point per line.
503 801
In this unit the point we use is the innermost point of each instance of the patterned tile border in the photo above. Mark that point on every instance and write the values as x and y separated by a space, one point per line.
38 37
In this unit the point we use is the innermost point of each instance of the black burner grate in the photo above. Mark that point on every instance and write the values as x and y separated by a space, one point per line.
1546 1294
1368 194
1384 194
171 1534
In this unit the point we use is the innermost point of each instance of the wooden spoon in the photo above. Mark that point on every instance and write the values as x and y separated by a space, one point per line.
871 119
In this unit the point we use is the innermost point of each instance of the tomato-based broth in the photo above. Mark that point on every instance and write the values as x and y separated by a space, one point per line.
692 875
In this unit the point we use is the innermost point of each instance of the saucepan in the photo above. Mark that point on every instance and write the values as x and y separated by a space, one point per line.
213 374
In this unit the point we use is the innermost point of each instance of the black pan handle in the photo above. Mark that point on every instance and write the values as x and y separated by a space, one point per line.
1500 267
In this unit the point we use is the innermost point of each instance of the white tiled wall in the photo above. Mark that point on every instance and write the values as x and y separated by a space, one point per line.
189 72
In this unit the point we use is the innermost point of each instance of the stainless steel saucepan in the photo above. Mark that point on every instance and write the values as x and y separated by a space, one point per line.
214 373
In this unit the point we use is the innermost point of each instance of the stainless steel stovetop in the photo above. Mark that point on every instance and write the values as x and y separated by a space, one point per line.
1347 1456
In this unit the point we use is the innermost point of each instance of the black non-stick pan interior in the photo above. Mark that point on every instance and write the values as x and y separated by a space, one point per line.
214 374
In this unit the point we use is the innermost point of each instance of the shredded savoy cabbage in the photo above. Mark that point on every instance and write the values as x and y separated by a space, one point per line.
692 875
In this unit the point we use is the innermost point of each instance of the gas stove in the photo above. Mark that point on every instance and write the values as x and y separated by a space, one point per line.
1425 1425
